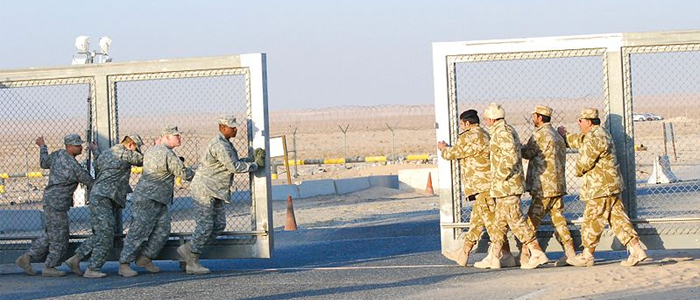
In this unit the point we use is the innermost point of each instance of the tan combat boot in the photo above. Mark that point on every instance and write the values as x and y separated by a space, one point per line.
25 263
460 256
524 255
126 270
193 266
585 259
507 258
52 272
73 264
537 256
492 260
147 263
90 273
637 254
184 250
569 252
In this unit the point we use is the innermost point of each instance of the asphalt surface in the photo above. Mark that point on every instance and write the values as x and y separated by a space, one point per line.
396 257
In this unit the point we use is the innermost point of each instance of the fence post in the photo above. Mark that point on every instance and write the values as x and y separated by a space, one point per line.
345 143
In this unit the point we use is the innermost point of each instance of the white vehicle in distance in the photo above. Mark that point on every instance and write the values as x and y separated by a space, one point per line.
638 118
652 117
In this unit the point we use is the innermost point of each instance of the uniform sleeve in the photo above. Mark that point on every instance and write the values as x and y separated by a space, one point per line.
588 155
531 149
83 176
574 140
132 157
229 158
507 145
44 157
460 150
178 168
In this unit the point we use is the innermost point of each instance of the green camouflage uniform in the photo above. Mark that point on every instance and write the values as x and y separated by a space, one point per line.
601 187
108 194
546 178
472 149
65 174
150 224
211 189
507 183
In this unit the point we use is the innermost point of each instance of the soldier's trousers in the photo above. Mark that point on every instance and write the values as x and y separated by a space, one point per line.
508 214
554 206
53 242
602 211
149 229
483 215
211 221
103 219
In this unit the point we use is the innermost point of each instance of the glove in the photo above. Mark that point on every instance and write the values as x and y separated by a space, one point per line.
253 167
259 157
182 159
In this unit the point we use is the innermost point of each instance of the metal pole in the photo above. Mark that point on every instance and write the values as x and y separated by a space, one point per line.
345 144
294 145
393 155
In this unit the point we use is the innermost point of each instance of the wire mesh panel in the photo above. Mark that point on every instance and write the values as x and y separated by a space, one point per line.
564 80
664 86
193 101
48 108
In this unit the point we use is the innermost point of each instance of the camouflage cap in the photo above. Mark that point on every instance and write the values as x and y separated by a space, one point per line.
73 139
138 141
494 111
588 113
543 110
228 120
170 130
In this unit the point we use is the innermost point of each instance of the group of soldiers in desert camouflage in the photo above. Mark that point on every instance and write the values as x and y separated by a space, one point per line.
151 198
493 178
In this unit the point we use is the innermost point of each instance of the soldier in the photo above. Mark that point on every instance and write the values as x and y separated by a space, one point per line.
546 180
472 149
211 191
108 195
64 176
601 188
150 226
507 187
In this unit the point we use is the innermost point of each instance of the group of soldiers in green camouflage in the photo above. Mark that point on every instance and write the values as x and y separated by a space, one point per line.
151 198
492 177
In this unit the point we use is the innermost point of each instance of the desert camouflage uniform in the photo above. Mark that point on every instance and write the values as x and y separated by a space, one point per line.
108 194
64 176
507 183
152 197
601 187
546 178
211 189
472 149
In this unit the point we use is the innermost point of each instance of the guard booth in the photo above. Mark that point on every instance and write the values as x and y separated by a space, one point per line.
623 75
104 102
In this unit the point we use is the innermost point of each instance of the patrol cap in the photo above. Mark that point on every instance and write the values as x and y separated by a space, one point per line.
170 130
494 111
228 120
589 113
469 113
137 140
543 110
73 139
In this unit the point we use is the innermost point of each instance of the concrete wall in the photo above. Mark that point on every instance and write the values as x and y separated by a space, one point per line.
417 179
311 188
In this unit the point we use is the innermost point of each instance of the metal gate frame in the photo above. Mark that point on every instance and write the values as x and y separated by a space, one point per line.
105 128
618 96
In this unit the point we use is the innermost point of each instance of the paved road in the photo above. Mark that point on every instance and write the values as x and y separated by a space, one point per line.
397 257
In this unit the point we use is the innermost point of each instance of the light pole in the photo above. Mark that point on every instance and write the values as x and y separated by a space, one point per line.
82 44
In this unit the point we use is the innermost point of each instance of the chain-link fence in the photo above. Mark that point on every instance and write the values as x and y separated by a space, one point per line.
664 87
193 101
48 108
350 131
562 80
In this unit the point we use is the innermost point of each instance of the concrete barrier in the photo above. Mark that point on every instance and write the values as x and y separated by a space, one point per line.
316 188
416 179
389 181
280 192
21 220
349 185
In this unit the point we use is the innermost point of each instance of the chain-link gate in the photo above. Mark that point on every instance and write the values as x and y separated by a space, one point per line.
567 74
110 100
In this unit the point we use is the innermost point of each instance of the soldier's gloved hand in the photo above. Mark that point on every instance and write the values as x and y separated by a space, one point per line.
259 157
253 167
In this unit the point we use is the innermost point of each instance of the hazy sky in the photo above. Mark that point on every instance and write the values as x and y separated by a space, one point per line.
320 53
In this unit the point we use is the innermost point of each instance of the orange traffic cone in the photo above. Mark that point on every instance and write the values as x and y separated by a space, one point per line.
429 187
291 223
